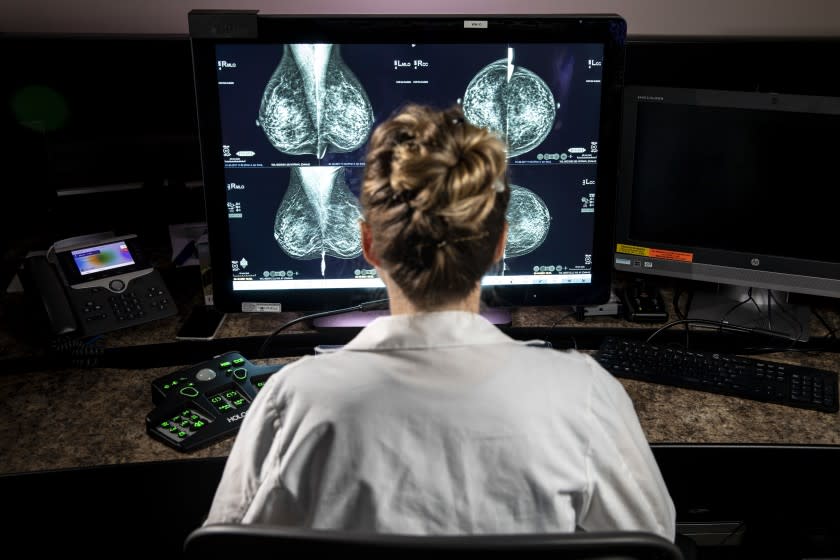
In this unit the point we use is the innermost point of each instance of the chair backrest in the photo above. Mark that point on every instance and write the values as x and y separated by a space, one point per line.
215 540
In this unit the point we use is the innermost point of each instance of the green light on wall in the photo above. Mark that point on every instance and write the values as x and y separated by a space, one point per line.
40 108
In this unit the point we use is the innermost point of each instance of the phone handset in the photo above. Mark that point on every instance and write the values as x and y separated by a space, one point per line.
48 285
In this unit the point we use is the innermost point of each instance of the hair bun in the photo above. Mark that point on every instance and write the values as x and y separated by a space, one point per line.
431 190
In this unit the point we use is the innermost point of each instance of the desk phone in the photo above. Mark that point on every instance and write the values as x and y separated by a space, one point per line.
98 285
205 402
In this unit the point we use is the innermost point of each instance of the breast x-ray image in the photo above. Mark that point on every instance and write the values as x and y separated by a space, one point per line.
318 216
512 101
528 222
314 104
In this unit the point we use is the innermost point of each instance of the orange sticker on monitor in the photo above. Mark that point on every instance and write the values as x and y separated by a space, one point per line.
654 253
671 255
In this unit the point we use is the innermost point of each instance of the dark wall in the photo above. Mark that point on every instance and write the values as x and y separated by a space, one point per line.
79 112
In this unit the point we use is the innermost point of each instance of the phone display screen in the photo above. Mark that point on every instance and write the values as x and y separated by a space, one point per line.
102 257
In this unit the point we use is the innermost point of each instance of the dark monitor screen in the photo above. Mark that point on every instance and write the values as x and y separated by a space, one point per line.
730 187
285 119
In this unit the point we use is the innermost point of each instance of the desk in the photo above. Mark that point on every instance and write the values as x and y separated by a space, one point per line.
86 417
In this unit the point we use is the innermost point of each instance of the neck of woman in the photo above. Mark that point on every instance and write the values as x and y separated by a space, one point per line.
401 305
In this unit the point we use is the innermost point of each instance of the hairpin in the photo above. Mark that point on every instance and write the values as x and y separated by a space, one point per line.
482 235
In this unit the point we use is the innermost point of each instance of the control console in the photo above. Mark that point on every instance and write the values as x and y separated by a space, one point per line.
205 402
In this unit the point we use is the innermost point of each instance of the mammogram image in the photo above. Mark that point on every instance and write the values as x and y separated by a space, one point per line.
314 104
318 216
512 101
528 222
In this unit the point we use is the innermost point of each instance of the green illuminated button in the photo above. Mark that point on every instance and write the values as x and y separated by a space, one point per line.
239 361
182 434
189 392
173 429
225 365
231 394
239 402
198 424
215 399
165 424
240 373
193 417
226 406
185 423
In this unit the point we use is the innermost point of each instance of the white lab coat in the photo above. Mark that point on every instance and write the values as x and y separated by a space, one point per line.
438 423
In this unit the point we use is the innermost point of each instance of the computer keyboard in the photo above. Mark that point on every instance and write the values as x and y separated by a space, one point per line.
724 374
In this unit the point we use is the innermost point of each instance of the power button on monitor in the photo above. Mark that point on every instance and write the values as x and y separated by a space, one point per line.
116 285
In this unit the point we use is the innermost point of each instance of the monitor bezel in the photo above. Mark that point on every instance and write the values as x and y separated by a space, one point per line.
607 29
714 265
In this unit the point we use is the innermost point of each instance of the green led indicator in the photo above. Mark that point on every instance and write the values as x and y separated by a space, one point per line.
198 424
175 382
239 361
182 434
238 402
216 399
225 406
224 364
193 416
173 429
167 386
165 424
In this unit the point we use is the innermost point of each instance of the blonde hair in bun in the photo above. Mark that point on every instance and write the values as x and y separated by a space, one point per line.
434 196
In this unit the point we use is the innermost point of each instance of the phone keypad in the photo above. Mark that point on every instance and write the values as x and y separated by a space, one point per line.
100 310
126 306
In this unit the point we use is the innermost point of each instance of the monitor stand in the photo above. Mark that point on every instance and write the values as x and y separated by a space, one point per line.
497 315
756 308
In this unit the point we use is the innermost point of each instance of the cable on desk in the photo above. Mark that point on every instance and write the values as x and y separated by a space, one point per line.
359 307
72 352
831 330
723 327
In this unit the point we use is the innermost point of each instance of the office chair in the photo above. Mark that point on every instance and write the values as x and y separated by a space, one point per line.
232 539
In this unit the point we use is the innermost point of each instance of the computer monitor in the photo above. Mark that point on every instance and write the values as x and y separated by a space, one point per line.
734 189
286 106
